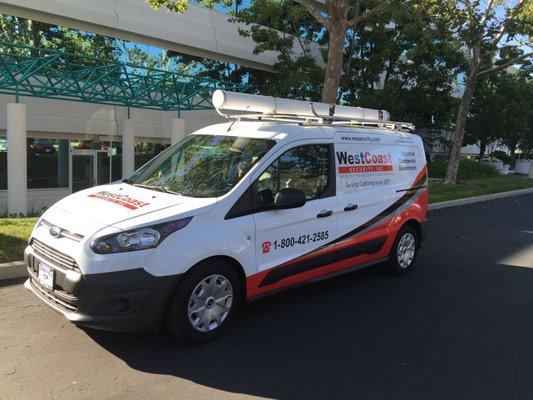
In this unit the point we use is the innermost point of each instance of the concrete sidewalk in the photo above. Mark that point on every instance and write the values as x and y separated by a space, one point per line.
13 270
477 199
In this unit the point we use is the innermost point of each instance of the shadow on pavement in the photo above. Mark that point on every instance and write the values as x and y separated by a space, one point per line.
459 327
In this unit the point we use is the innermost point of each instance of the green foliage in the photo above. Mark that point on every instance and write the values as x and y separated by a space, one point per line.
171 5
475 187
272 25
468 169
415 62
502 156
502 109
182 5
14 234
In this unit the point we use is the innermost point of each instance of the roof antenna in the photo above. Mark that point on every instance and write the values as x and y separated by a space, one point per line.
233 123
331 114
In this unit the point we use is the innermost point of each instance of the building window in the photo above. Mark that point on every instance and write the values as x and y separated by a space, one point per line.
145 151
48 163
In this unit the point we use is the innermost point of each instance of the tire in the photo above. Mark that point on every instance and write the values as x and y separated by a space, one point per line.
204 302
402 257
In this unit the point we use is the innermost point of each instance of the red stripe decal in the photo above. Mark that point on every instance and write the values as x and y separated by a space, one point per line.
364 168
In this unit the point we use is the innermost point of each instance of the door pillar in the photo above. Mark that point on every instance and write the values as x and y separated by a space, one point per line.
62 163
177 130
17 178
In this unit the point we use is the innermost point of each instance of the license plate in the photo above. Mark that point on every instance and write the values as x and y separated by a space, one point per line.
46 276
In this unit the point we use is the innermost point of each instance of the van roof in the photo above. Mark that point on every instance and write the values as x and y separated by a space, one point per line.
292 131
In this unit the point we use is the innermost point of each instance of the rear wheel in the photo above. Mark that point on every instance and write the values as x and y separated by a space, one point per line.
402 257
204 302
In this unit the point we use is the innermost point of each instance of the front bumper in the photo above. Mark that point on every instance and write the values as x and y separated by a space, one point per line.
126 301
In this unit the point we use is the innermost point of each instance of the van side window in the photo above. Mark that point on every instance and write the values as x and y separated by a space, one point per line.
305 168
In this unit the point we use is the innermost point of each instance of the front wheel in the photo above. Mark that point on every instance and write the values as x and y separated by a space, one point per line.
402 257
204 302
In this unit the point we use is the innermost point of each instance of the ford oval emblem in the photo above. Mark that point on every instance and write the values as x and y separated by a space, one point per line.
55 231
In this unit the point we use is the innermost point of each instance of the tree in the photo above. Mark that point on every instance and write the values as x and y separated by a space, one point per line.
399 61
407 67
273 25
336 17
489 32
516 93
484 123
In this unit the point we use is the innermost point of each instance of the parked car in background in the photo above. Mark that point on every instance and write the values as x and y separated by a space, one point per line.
42 146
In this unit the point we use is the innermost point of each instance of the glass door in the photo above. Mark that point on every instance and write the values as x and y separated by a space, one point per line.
88 168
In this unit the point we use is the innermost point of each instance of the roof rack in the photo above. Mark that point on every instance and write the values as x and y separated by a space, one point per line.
266 108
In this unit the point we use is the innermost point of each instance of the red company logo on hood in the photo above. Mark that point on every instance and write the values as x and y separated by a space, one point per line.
363 162
121 199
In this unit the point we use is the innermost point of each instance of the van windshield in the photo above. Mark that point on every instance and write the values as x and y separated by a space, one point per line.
202 165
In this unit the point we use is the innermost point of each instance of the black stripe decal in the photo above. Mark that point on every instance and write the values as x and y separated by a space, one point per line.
278 274
389 210
368 247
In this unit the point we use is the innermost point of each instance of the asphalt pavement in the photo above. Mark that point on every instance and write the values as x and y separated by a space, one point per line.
458 327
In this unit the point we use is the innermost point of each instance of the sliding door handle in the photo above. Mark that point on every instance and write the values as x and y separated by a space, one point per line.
350 207
325 213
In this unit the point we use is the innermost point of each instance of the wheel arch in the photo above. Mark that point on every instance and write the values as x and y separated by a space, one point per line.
236 265
227 259
417 226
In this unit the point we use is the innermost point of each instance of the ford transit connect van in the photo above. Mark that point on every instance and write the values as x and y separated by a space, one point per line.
286 192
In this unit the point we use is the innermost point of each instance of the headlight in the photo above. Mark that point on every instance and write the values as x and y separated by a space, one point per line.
143 238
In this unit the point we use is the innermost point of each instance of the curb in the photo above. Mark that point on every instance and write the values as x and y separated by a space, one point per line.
478 199
17 269
13 270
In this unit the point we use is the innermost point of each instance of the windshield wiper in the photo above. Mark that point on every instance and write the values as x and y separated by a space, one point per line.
167 190
156 188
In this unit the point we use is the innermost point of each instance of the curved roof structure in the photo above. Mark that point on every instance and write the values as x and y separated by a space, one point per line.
37 72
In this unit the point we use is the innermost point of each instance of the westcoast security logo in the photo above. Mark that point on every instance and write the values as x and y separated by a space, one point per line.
121 199
363 162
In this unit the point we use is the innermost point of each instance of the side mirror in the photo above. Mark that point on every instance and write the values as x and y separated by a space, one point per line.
289 198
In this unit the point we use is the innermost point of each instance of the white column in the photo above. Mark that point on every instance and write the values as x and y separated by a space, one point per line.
128 148
17 185
177 130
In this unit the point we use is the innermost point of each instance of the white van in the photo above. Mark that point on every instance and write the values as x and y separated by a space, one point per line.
293 193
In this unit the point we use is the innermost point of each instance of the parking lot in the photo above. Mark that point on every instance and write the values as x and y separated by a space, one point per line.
459 327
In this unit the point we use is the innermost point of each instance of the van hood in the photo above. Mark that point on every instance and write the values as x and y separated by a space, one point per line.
92 209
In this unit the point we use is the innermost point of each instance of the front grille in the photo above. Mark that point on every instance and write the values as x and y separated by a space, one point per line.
53 256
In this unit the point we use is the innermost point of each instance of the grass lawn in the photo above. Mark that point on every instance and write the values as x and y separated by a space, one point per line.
14 232
476 187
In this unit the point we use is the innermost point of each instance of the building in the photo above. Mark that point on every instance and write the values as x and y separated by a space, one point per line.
62 129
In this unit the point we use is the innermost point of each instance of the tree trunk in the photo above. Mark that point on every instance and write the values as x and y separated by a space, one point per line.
457 141
338 11
482 148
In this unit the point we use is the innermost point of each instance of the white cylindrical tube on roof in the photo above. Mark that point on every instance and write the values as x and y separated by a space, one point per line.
224 100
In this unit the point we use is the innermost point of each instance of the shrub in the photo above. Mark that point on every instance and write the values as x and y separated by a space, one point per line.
502 156
468 169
